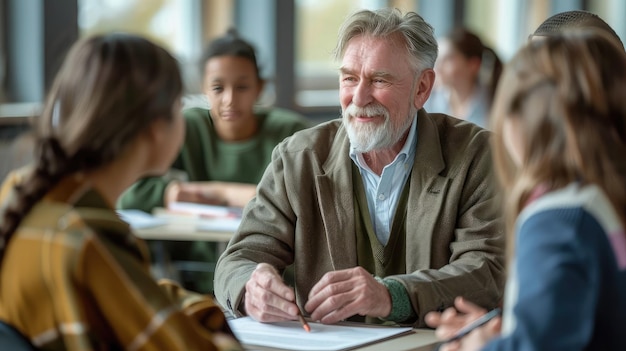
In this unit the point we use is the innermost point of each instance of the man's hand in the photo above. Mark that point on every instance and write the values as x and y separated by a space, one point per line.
267 298
342 294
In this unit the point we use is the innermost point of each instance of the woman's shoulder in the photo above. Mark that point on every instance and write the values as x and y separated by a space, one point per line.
589 199
573 213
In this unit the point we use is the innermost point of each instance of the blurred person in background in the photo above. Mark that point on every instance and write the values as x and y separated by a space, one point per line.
467 76
229 144
226 149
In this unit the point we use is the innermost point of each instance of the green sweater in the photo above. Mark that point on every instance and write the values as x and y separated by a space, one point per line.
205 157
383 260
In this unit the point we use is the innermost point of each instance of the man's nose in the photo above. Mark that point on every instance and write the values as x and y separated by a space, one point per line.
362 94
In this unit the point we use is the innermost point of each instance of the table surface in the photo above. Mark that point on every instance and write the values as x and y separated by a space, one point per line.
184 228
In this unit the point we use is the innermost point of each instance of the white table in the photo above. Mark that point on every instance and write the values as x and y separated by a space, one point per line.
183 228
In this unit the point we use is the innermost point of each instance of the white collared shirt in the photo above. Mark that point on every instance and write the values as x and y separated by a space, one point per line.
384 191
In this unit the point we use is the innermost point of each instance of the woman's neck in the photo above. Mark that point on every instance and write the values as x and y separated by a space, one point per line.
461 99
110 182
112 179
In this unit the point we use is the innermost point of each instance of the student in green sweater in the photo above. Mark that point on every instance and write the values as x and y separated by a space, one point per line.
226 149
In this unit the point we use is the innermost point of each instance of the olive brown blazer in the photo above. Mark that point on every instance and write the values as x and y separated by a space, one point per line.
303 214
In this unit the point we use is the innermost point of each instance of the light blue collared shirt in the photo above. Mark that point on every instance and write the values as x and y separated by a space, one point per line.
384 191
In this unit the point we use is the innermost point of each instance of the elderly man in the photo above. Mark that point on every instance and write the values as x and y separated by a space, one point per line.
387 213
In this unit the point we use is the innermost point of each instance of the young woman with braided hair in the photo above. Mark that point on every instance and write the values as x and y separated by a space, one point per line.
111 117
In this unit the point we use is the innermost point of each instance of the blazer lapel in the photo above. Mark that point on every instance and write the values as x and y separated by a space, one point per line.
336 202
428 191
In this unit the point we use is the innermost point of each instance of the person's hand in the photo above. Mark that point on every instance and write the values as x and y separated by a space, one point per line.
267 298
478 338
197 192
342 294
454 318
211 193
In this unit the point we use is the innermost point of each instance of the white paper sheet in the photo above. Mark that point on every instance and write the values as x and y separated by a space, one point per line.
139 220
209 211
291 335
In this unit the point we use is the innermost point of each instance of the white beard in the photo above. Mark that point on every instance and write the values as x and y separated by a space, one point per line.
365 137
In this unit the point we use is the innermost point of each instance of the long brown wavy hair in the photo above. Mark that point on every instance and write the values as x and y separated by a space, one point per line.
109 88
566 94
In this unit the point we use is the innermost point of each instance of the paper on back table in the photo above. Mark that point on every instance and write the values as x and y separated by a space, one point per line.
291 336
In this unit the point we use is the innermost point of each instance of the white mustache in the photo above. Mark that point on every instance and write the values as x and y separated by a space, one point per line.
371 110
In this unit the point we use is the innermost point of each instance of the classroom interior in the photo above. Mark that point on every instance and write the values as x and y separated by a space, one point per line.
293 38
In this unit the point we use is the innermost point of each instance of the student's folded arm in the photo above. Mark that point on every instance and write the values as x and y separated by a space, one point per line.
146 194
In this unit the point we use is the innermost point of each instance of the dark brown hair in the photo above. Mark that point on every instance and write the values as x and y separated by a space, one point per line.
109 88
230 44
468 44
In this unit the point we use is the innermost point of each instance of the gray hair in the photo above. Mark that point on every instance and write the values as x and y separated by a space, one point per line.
417 33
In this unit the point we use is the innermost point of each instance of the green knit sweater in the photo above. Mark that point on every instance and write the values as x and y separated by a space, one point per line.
384 261
205 157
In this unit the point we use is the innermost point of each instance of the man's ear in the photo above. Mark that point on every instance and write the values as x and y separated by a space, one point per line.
424 86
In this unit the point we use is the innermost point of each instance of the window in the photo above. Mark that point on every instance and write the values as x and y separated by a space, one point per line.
168 22
317 26
181 26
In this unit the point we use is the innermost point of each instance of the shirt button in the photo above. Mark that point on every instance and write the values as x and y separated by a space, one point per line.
381 197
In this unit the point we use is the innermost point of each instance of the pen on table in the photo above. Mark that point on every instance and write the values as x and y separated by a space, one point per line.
305 325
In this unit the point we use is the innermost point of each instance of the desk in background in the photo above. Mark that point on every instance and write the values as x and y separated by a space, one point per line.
164 226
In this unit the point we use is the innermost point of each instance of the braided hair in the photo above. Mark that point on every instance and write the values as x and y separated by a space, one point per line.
108 89
577 19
